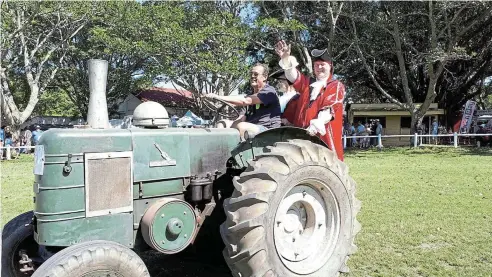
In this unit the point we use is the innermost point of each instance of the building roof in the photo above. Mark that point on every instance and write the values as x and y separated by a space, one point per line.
168 97
388 109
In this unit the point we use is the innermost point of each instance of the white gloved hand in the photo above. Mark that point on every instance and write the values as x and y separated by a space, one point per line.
311 130
317 126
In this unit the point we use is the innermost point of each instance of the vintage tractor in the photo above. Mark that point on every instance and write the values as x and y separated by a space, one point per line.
282 202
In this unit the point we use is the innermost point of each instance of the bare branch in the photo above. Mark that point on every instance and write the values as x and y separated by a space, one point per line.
371 75
401 60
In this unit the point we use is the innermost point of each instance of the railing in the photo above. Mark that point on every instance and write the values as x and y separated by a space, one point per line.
415 136
455 136
8 151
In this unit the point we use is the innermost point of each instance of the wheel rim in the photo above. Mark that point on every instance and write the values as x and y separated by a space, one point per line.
307 225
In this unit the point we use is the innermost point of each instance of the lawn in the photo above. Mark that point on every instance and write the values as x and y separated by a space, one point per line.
425 212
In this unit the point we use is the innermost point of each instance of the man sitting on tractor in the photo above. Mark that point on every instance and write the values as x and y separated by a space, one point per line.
319 108
263 108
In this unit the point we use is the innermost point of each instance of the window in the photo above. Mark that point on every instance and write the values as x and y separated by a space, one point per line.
405 122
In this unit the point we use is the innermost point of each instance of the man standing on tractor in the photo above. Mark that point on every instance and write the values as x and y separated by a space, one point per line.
319 108
288 99
263 110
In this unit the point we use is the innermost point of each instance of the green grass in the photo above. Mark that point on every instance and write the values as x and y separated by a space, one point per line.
425 212
17 179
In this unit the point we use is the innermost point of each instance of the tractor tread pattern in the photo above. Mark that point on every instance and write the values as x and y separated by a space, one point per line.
243 232
93 254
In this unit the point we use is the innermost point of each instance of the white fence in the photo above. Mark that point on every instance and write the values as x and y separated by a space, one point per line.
416 138
8 151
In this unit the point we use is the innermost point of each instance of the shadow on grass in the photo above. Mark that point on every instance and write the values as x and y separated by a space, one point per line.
185 264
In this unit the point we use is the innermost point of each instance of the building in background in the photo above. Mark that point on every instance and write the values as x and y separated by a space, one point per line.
176 102
395 120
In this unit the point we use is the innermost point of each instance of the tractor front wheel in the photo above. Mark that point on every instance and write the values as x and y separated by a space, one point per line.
19 251
293 213
94 258
15 223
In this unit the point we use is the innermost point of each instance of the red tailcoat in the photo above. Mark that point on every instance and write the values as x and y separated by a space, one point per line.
300 111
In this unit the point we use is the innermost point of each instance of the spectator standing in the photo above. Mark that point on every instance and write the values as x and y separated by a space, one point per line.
435 129
2 133
360 130
26 137
353 133
36 135
379 131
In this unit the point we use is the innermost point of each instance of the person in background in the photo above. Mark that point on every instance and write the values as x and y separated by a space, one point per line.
435 128
27 136
2 133
367 133
36 135
353 133
359 132
1 149
379 131
374 140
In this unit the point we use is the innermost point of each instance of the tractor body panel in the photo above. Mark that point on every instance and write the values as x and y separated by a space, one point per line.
97 184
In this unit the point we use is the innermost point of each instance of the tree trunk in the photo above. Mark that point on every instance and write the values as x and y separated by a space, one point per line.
416 120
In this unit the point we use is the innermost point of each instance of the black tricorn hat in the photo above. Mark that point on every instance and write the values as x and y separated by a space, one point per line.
280 75
321 55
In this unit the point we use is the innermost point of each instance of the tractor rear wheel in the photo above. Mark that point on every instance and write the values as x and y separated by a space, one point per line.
94 258
292 213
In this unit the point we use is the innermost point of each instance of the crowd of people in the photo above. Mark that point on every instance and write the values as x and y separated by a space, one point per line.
19 143
363 135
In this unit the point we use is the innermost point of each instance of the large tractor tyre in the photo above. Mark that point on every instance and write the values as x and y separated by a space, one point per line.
13 224
18 249
94 258
292 213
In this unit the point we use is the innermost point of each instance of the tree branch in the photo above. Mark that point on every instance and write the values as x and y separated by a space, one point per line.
401 60
368 69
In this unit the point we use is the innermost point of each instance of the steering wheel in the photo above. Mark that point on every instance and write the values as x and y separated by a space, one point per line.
211 104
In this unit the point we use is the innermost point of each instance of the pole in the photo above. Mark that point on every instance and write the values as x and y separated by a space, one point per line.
97 115
344 141
455 136
8 155
380 144
415 140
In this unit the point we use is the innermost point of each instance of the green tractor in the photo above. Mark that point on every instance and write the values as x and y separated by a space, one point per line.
281 202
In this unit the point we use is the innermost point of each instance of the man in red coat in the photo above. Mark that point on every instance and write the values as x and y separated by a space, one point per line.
319 108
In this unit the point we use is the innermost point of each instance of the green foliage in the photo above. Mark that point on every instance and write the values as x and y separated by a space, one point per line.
56 102
201 46
35 38
198 45
116 32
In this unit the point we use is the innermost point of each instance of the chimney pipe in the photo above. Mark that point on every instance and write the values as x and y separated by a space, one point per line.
97 116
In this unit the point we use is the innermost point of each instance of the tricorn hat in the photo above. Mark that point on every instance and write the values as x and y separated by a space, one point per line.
280 75
321 55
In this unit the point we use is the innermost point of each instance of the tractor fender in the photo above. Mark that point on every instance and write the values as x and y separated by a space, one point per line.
254 146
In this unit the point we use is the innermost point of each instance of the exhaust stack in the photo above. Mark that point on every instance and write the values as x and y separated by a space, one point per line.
97 116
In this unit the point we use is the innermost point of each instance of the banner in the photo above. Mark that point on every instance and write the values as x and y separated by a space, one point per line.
467 116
